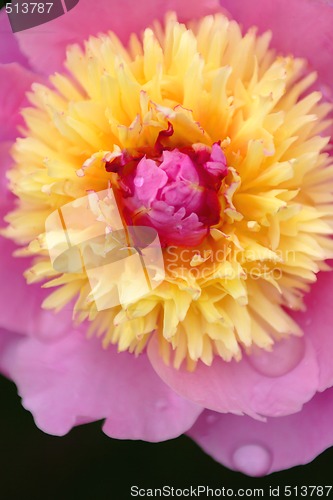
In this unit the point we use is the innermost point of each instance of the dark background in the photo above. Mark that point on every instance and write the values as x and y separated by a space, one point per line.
86 464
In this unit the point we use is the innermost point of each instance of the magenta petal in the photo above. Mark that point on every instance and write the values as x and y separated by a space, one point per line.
20 304
299 27
6 197
9 47
148 180
75 380
15 82
259 448
241 387
16 311
5 338
45 48
317 323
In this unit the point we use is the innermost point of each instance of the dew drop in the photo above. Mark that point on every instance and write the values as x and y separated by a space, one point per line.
285 356
42 328
138 181
161 404
211 418
252 459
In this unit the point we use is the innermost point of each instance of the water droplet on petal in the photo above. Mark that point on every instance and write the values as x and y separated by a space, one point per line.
252 459
42 328
211 418
308 321
161 404
138 181
285 356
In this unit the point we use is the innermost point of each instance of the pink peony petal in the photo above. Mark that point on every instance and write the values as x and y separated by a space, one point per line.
12 76
76 380
317 323
147 181
6 337
241 387
9 47
6 197
20 304
17 78
45 45
259 448
299 27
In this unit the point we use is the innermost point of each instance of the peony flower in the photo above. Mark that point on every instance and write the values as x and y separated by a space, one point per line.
218 139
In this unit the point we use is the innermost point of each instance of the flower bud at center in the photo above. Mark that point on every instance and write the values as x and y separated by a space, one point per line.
176 193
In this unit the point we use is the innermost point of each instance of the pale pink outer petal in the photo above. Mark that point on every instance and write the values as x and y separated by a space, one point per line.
299 27
75 380
45 45
6 197
317 324
15 82
20 304
9 47
238 387
259 448
5 338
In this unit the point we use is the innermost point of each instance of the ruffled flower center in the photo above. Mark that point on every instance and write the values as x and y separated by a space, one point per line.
174 191
209 138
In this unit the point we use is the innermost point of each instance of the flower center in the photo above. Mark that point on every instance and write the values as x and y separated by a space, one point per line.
175 191
212 140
